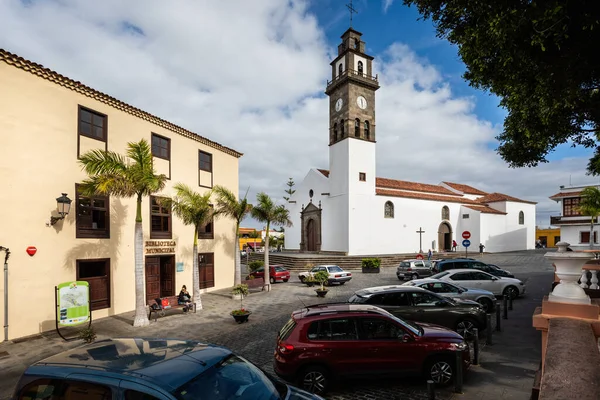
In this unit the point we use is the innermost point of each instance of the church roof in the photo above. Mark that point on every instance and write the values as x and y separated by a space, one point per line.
412 186
76 86
465 188
324 172
424 196
485 209
495 197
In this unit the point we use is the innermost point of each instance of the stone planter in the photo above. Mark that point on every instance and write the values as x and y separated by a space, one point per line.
240 318
568 269
370 270
321 293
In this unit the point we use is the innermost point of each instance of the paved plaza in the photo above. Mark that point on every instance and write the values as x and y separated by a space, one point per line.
506 369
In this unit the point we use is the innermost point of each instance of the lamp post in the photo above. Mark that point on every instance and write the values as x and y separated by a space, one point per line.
63 206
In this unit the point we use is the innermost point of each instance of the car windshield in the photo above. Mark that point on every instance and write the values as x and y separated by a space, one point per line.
335 268
404 264
280 269
411 326
231 378
493 266
439 275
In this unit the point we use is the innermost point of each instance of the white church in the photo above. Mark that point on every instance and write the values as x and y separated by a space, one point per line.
348 209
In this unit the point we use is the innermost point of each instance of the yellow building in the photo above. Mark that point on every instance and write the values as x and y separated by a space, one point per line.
46 122
549 236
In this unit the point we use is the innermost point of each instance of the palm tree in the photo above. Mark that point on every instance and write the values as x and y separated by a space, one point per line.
268 212
193 209
133 175
229 206
590 205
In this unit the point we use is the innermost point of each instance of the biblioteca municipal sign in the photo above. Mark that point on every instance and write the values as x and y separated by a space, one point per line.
160 246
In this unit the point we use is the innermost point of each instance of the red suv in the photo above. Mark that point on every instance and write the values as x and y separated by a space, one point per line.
277 273
322 342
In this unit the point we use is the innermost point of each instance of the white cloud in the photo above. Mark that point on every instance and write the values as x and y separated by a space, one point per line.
386 5
251 75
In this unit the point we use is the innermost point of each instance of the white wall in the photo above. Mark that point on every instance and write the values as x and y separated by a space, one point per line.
571 234
504 233
337 66
471 224
358 58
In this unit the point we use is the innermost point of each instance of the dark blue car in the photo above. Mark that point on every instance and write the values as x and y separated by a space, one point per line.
150 369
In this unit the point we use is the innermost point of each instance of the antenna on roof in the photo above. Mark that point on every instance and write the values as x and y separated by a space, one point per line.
305 306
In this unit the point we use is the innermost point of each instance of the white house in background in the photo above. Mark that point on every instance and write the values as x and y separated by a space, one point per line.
574 227
348 209
272 233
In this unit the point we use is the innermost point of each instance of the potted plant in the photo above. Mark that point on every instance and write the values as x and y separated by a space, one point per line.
309 281
241 314
321 277
371 265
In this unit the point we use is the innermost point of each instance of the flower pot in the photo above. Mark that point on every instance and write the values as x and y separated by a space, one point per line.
568 269
370 270
239 318
321 293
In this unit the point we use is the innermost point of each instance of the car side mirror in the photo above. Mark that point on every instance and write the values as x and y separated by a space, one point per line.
406 338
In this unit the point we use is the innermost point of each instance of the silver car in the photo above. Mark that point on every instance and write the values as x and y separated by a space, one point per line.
414 269
447 289
336 274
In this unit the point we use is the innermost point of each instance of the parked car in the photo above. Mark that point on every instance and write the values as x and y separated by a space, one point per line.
277 273
157 369
336 274
497 271
448 289
456 263
417 304
510 287
323 342
414 269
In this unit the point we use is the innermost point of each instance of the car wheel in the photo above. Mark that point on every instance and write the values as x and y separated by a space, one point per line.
414 276
285 280
341 283
400 278
465 328
314 379
440 371
302 279
488 305
511 292
272 280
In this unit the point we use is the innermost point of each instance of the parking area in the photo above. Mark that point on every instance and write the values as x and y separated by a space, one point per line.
506 368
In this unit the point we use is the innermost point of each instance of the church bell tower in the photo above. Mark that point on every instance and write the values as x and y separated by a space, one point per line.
352 128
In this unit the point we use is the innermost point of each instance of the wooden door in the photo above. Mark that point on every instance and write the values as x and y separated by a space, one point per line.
99 292
311 236
152 278
167 276
206 268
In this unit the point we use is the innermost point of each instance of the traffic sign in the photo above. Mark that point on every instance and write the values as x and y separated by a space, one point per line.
419 256
466 235
466 243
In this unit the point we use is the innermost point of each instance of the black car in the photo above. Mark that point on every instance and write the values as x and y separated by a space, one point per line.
459 263
420 305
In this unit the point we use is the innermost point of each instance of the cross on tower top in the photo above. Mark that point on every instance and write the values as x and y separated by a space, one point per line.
352 11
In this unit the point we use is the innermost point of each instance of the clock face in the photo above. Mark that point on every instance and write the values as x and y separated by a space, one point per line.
338 104
362 102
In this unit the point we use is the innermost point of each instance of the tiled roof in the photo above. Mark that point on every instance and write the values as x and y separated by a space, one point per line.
55 77
465 188
562 195
424 196
324 172
485 209
495 197
413 186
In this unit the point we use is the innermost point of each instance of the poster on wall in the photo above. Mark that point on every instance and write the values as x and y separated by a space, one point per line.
179 266
73 303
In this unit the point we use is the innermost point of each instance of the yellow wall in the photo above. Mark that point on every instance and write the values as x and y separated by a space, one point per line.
550 234
38 162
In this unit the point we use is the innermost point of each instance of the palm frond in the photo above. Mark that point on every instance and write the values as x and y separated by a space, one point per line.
190 206
97 162
263 210
228 205
281 216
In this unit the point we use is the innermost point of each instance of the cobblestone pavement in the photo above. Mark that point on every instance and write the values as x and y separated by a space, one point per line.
255 340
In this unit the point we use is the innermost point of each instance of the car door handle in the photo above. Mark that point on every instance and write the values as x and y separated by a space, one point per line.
420 311
326 350
374 350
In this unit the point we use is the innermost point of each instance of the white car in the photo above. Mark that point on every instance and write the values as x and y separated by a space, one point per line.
470 278
448 289
336 274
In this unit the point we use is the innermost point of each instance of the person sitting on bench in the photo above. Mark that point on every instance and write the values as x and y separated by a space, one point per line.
185 298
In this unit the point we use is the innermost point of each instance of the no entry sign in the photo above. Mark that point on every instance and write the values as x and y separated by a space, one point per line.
466 235
419 256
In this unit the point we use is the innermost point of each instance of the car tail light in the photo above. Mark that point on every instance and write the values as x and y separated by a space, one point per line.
349 274
337 276
285 348
409 269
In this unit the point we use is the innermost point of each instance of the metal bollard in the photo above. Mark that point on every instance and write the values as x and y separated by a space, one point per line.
510 300
504 307
489 330
498 327
475 346
430 390
458 380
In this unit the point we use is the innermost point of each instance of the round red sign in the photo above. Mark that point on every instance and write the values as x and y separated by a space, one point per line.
419 256
31 250
466 234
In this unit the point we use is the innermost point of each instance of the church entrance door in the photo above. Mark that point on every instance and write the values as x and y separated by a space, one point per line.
311 236
445 237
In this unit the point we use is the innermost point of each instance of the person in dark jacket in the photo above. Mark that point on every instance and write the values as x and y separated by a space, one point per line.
185 298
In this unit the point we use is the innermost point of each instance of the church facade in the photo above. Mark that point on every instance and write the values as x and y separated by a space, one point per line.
348 209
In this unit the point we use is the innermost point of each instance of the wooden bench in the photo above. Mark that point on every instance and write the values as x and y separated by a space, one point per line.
173 304
255 283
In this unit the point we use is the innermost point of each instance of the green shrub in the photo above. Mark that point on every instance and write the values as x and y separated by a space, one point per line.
321 277
87 334
371 262
242 289
254 265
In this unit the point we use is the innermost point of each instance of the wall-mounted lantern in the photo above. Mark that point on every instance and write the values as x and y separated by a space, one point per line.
63 205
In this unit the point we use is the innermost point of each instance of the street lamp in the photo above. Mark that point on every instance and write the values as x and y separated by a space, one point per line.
63 205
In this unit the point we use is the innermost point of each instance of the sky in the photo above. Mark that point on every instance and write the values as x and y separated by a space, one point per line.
251 75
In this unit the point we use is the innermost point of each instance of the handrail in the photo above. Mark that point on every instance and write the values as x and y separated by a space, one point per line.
353 72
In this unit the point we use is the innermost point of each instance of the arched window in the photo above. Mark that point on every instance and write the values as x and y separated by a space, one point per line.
334 132
360 68
341 128
445 213
356 43
340 69
521 218
388 210
367 133
357 127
